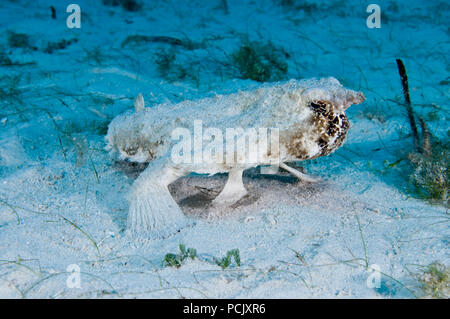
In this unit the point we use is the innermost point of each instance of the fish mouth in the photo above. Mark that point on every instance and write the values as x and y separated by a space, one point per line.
353 97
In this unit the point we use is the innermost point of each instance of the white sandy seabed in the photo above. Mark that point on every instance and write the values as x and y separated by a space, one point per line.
63 200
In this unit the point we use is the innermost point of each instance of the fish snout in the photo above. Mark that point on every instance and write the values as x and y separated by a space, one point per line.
352 97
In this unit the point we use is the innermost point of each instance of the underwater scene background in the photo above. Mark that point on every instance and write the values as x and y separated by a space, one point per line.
376 226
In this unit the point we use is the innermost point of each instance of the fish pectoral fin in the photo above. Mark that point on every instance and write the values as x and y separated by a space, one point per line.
153 211
139 103
233 191
301 176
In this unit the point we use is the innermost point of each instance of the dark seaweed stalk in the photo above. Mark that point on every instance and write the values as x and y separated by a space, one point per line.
412 122
426 138
53 12
225 6
430 159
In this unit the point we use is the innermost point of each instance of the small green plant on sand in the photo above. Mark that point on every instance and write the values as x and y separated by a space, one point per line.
11 96
9 86
171 70
260 62
435 281
127 5
430 175
94 56
297 5
225 262
176 260
165 62
139 39
59 45
5 60
18 40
